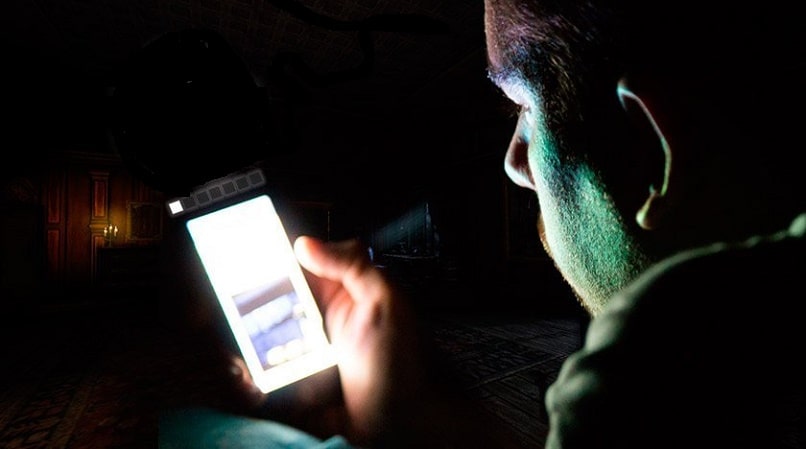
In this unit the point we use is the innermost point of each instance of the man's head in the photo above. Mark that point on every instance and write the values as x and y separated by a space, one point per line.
649 127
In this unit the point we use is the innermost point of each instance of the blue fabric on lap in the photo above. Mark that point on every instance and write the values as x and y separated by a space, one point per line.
204 428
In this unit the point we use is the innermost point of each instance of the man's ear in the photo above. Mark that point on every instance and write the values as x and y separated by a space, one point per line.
645 118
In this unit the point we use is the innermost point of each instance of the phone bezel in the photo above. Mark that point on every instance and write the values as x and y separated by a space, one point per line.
319 356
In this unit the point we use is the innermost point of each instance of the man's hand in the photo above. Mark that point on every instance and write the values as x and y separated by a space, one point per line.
374 335
388 396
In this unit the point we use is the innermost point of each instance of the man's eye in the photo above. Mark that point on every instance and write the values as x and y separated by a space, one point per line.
519 111
509 108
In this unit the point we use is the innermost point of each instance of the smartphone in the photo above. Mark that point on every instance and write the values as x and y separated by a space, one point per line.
250 263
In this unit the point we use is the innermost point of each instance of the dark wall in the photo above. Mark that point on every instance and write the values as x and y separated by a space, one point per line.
363 169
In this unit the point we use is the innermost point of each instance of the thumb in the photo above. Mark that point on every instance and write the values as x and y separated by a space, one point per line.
328 259
346 262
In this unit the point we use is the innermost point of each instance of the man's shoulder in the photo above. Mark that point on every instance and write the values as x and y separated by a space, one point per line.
710 336
764 263
722 286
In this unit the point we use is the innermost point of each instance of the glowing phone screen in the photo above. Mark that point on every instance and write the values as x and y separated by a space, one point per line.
262 291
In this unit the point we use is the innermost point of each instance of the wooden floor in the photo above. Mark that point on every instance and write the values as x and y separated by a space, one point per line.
505 341
508 363
90 374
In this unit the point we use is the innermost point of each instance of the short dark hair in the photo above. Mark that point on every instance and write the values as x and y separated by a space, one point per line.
739 64
568 47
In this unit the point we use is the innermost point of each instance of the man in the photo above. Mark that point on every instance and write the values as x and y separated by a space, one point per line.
661 140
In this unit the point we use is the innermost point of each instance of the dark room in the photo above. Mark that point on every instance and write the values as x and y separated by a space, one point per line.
387 135
385 131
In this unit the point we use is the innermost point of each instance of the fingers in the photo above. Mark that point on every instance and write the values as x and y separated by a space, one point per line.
247 393
346 262
328 260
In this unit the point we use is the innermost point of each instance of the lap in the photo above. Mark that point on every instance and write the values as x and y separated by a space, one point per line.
205 428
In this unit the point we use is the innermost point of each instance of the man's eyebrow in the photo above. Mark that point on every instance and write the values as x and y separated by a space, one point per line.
503 76
498 75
